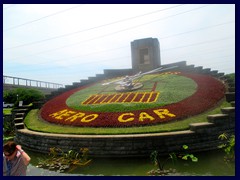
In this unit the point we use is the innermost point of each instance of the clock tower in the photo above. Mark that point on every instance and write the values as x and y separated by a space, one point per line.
145 54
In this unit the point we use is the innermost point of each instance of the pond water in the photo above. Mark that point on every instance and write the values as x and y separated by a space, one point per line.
209 164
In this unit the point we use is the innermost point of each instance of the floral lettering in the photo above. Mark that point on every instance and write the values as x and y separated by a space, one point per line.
61 114
121 119
89 118
163 112
144 115
74 117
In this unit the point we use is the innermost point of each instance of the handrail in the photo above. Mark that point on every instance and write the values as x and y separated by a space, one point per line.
30 82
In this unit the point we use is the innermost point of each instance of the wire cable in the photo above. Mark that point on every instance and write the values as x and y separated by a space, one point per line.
104 25
29 22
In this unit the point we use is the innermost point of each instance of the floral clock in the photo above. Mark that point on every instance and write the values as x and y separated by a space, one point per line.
164 97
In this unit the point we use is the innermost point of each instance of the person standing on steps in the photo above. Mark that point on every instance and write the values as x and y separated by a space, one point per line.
15 160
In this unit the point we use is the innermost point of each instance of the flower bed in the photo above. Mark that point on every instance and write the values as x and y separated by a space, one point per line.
209 91
138 97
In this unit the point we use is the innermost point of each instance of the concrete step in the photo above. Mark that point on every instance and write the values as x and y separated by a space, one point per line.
228 110
206 71
230 96
24 106
214 72
19 114
219 75
218 118
20 110
19 125
198 69
231 89
200 127
18 120
76 84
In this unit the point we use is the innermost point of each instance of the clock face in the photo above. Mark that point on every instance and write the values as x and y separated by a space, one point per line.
161 98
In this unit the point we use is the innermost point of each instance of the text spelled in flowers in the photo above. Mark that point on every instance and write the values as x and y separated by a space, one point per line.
69 115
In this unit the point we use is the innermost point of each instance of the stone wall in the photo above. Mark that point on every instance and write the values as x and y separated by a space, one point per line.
199 137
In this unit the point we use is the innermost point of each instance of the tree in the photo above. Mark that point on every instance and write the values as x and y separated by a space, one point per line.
22 94
230 77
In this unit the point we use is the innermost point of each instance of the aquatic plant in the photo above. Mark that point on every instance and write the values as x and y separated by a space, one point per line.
59 161
156 159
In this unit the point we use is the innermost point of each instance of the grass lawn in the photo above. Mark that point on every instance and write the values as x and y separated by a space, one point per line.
7 111
33 122
166 85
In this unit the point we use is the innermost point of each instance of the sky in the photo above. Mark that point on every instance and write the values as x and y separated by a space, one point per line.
64 43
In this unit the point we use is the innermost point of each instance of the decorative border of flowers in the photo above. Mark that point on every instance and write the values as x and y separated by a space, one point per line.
209 92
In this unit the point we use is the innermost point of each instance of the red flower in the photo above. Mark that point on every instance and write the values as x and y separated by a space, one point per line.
209 92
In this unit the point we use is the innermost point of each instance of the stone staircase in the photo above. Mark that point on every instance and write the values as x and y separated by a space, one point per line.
223 122
19 113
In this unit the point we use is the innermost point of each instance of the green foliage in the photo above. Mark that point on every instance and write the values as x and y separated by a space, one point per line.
7 138
190 156
22 94
59 161
7 111
230 77
187 156
185 147
228 146
9 96
156 159
8 129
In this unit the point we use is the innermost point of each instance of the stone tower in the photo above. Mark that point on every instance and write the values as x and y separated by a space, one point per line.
145 54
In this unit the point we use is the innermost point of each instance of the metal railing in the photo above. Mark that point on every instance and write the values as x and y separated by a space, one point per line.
30 82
